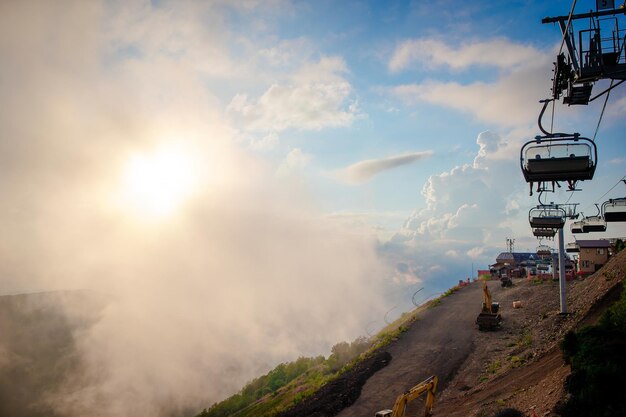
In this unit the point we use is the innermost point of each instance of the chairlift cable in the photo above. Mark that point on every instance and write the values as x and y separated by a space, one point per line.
607 90
611 189
608 93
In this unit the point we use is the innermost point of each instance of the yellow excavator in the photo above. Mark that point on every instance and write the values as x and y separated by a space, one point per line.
429 386
489 318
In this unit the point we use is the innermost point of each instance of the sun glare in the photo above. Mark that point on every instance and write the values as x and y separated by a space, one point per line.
157 183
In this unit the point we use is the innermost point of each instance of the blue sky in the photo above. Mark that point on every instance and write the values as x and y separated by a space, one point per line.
430 77
260 167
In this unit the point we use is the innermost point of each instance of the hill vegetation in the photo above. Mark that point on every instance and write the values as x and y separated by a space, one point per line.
290 383
597 355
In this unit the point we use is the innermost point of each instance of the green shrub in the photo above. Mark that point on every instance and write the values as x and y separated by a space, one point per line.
597 355
493 367
525 339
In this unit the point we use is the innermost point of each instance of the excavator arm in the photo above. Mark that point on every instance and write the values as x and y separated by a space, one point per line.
429 386
487 306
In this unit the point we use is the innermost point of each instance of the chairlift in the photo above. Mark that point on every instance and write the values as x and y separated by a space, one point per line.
544 251
577 227
572 247
593 224
543 232
614 210
552 217
568 158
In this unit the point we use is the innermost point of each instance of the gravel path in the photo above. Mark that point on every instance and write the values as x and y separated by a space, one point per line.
436 344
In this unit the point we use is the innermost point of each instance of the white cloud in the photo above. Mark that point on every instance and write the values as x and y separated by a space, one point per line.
469 211
316 97
432 54
365 170
295 161
286 52
508 99
476 252
267 142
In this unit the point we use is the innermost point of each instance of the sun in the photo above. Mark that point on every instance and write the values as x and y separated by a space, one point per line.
158 182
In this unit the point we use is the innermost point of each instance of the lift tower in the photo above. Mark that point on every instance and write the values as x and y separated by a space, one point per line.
594 52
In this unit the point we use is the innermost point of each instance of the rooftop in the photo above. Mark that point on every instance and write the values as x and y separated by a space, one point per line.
599 243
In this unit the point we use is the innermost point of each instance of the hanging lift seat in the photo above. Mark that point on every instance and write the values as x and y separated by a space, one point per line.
544 232
547 222
562 158
544 251
559 169
593 224
547 217
614 210
577 227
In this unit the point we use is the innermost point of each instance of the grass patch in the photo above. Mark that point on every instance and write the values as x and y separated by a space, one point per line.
525 340
516 361
434 303
494 366
451 291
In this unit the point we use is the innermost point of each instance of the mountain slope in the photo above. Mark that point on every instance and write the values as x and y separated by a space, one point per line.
519 365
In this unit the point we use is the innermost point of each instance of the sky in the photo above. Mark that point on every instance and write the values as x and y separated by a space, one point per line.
256 180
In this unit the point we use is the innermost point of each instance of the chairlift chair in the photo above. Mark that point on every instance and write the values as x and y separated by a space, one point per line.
577 227
614 210
593 224
543 232
572 247
565 158
547 217
544 251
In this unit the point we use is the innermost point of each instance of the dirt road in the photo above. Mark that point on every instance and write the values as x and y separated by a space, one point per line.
436 344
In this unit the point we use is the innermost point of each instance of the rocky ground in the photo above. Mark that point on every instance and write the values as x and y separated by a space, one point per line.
521 365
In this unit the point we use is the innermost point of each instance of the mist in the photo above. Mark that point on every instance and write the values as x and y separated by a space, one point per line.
240 274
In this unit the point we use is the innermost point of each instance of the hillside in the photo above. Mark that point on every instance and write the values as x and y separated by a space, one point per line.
518 366
480 373
521 366
37 349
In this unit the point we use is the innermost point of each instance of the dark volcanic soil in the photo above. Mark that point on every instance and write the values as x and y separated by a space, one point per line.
340 393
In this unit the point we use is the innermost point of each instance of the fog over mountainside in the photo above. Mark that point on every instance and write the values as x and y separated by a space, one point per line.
206 286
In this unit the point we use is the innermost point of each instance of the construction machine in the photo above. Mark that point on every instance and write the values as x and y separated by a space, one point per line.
428 386
489 318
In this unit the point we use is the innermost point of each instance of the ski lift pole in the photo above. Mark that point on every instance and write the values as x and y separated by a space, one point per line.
562 283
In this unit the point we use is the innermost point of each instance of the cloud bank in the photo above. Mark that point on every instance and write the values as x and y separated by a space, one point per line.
433 53
469 210
315 97
507 100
